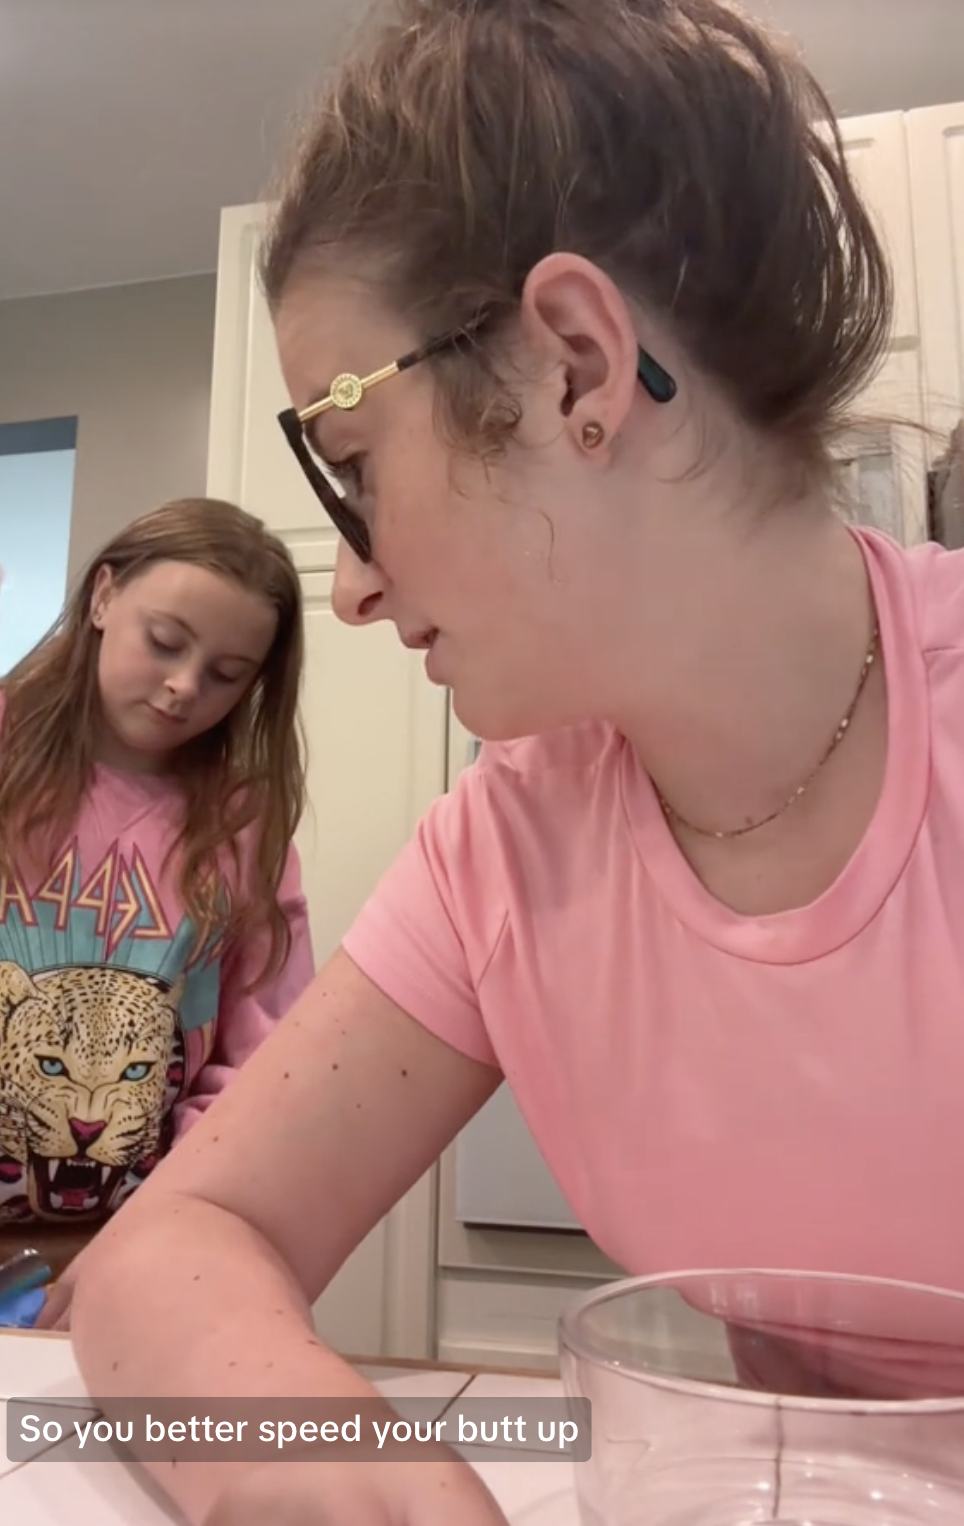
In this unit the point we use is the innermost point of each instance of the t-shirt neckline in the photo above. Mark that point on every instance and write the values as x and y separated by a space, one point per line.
869 876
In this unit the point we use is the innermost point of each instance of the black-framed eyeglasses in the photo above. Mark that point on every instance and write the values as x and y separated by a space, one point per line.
348 390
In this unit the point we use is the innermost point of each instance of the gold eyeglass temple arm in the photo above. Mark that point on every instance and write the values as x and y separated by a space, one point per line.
347 391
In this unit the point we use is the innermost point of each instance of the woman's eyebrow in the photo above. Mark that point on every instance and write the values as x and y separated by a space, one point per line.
311 428
312 434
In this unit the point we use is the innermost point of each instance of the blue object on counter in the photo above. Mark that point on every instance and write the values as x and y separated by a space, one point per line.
20 1311
23 1284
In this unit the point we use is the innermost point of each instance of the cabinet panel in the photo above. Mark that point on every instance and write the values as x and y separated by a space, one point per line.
376 739
886 476
886 455
876 152
936 149
249 460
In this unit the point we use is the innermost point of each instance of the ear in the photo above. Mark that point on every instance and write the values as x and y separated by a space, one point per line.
578 315
101 596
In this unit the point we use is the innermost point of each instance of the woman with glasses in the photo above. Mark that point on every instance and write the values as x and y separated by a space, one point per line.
572 301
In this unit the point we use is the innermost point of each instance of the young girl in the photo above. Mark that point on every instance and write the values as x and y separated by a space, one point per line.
572 298
152 924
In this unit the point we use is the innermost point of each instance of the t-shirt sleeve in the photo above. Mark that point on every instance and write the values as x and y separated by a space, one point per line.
426 935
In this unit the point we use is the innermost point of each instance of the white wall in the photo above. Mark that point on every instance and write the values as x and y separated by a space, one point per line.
133 363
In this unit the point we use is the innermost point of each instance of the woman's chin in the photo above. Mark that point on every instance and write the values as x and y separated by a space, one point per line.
491 720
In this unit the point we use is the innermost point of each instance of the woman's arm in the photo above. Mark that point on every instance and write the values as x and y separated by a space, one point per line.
202 1284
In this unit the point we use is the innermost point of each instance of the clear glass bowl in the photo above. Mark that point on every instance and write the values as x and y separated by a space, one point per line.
735 1397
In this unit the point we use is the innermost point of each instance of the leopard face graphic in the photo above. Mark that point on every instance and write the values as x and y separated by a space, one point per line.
87 1058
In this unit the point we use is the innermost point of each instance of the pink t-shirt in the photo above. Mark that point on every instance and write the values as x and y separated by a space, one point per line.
116 1031
711 1089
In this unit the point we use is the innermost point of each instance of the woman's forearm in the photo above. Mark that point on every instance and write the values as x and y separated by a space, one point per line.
190 1301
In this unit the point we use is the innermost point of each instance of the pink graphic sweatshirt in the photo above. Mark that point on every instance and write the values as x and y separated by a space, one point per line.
115 1032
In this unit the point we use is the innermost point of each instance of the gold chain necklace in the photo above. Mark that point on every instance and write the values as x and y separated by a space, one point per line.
838 737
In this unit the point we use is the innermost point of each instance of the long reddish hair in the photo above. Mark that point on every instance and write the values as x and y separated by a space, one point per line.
246 772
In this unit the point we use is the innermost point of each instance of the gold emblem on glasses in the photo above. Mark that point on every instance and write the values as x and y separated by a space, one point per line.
347 391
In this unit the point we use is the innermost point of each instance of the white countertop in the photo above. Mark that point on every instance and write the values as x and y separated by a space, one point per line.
44 1492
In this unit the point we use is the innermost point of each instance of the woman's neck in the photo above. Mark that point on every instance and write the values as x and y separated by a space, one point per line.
755 674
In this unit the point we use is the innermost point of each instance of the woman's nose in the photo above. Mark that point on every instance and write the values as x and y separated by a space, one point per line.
357 595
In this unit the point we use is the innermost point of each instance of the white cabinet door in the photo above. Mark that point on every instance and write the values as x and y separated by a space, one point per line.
249 460
876 151
888 463
935 139
376 733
